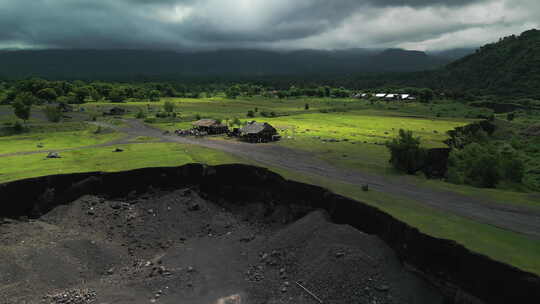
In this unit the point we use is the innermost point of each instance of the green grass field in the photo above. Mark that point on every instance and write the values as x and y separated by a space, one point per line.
54 140
104 159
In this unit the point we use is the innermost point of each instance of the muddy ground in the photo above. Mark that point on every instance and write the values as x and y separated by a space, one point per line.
177 247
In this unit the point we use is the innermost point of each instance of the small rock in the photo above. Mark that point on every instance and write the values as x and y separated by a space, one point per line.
190 269
340 254
53 155
284 289
194 206
110 271
383 288
115 205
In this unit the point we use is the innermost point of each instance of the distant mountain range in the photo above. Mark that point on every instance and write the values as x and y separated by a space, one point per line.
119 64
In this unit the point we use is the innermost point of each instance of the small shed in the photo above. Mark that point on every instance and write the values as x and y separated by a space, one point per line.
258 132
210 126
380 95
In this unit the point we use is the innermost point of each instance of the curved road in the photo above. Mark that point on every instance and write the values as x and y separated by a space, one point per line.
506 216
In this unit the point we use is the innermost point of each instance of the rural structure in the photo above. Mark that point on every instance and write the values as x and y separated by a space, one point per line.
210 126
257 132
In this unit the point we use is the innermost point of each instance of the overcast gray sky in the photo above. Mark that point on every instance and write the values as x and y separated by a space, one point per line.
280 24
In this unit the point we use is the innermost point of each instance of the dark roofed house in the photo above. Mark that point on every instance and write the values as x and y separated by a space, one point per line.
259 132
210 126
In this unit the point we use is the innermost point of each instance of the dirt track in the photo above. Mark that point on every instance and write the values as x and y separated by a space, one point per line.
514 218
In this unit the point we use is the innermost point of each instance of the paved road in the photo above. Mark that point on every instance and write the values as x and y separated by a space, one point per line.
506 216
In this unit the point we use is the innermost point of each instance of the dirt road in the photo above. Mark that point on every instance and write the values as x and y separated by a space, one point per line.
506 216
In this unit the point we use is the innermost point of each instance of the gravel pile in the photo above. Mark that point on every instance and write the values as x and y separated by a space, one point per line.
177 247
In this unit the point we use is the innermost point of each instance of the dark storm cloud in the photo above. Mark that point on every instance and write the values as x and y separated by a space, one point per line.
178 24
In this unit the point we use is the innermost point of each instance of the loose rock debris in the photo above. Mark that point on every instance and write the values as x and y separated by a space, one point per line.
177 247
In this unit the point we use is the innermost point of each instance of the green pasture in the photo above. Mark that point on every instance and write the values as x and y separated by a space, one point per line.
54 140
104 159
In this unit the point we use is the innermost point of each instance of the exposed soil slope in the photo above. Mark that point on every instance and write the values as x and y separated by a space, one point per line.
176 247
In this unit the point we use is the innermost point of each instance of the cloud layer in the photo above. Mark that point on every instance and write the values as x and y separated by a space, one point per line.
280 24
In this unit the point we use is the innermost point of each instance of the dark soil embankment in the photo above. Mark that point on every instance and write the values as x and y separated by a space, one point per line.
128 242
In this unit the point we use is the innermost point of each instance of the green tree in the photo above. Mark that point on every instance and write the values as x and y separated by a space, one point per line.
22 105
406 154
47 94
426 95
232 92
81 93
52 113
169 106
476 164
117 95
154 95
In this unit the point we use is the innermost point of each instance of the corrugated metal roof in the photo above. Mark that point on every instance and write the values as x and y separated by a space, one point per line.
256 128
207 123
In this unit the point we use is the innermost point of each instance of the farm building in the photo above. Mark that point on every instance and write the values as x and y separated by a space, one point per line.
259 132
210 126
361 95
407 97
380 95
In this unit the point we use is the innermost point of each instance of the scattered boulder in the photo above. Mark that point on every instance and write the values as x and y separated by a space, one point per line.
118 150
383 288
53 155
194 206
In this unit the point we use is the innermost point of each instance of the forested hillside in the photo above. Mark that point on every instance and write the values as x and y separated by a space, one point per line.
510 67
130 64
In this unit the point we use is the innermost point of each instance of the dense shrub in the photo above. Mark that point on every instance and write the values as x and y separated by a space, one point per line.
169 106
18 127
406 154
483 165
250 113
52 113
140 114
